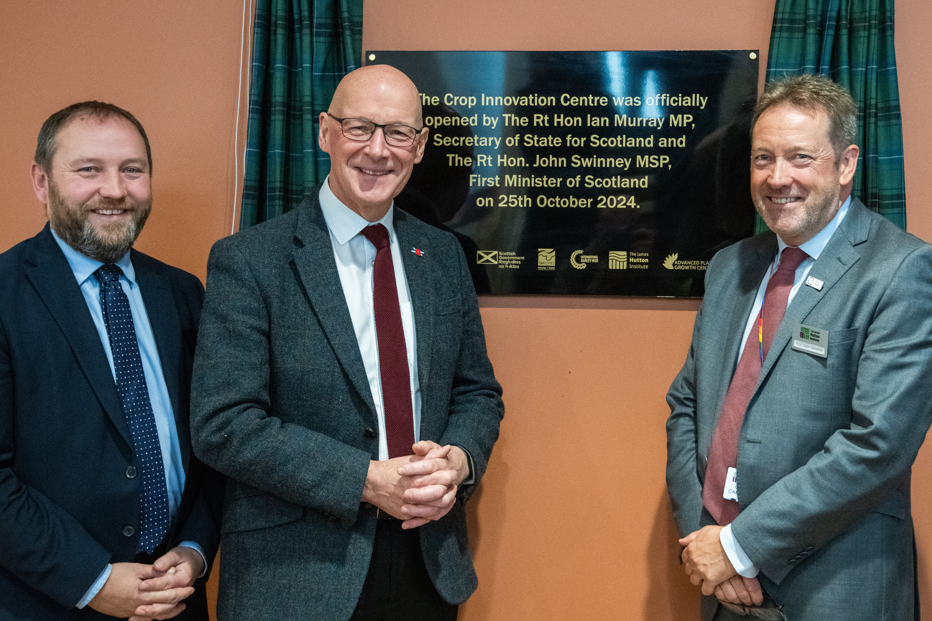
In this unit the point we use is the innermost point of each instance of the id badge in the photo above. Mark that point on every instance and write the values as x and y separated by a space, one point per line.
811 340
731 485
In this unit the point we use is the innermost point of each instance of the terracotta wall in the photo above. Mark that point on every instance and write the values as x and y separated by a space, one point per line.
572 520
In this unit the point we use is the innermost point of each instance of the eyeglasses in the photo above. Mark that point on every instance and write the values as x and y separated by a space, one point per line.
361 130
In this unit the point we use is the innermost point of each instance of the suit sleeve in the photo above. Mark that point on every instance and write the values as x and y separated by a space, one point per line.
865 464
40 543
232 427
202 523
476 407
683 484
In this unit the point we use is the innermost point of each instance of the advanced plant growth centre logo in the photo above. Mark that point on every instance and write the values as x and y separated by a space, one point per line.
673 262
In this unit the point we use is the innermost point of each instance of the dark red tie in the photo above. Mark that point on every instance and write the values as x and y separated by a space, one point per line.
393 355
723 452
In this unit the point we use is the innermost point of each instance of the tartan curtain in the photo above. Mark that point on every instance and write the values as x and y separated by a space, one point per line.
851 41
302 48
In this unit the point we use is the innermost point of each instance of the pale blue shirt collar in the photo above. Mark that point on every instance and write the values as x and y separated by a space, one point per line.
817 244
84 267
343 222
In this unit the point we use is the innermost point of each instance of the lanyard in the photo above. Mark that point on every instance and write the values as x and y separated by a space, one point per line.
763 300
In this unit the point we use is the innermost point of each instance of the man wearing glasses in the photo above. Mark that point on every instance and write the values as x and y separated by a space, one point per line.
342 382
789 472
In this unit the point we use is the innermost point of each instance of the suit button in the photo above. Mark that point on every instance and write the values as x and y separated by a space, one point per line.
369 432
131 472
128 531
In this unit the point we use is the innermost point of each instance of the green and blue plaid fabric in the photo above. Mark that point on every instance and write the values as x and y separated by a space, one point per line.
302 49
851 41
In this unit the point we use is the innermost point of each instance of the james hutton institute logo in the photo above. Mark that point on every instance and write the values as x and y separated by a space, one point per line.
617 260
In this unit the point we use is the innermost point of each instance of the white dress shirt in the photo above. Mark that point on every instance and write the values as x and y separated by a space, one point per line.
355 256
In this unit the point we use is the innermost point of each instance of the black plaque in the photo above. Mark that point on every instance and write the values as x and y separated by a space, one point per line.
604 173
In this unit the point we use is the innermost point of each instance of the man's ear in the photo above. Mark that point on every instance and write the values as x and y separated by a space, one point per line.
323 136
848 164
40 183
422 143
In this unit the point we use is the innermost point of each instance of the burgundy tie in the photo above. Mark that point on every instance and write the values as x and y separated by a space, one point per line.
723 452
393 355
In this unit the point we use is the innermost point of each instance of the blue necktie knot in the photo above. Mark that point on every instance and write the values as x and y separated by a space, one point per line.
108 273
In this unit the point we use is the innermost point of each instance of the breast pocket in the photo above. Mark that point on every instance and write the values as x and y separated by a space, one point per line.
840 346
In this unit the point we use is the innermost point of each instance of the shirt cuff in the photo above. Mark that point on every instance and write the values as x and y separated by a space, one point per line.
471 477
735 553
200 551
95 588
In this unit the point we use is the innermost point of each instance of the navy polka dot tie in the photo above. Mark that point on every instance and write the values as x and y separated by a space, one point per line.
131 384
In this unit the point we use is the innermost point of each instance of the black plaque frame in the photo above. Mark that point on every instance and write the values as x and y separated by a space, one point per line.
547 199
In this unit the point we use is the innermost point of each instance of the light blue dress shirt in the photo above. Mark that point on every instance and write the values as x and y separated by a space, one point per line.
814 247
83 268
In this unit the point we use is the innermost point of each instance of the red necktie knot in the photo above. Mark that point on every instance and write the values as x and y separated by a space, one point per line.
377 234
791 258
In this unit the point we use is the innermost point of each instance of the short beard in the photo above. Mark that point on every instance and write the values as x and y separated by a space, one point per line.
72 225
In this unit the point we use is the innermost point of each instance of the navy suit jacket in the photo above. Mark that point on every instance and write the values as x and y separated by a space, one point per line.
281 405
66 497
827 443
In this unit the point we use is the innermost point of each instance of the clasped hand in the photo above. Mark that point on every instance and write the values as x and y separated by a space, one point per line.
417 488
707 565
145 592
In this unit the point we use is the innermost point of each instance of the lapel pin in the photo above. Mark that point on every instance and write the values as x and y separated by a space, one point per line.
418 252
815 283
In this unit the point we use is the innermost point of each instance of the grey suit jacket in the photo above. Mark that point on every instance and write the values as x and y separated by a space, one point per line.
282 405
827 444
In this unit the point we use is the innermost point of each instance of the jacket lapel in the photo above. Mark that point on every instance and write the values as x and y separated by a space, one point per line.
421 278
836 259
751 271
316 270
49 272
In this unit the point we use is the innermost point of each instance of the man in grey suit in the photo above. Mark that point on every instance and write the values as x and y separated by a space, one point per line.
299 397
802 500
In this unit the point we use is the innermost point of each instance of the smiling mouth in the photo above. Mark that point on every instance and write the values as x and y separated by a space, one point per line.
110 212
376 173
785 200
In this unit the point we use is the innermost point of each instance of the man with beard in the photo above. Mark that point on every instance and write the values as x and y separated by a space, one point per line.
104 512
805 395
